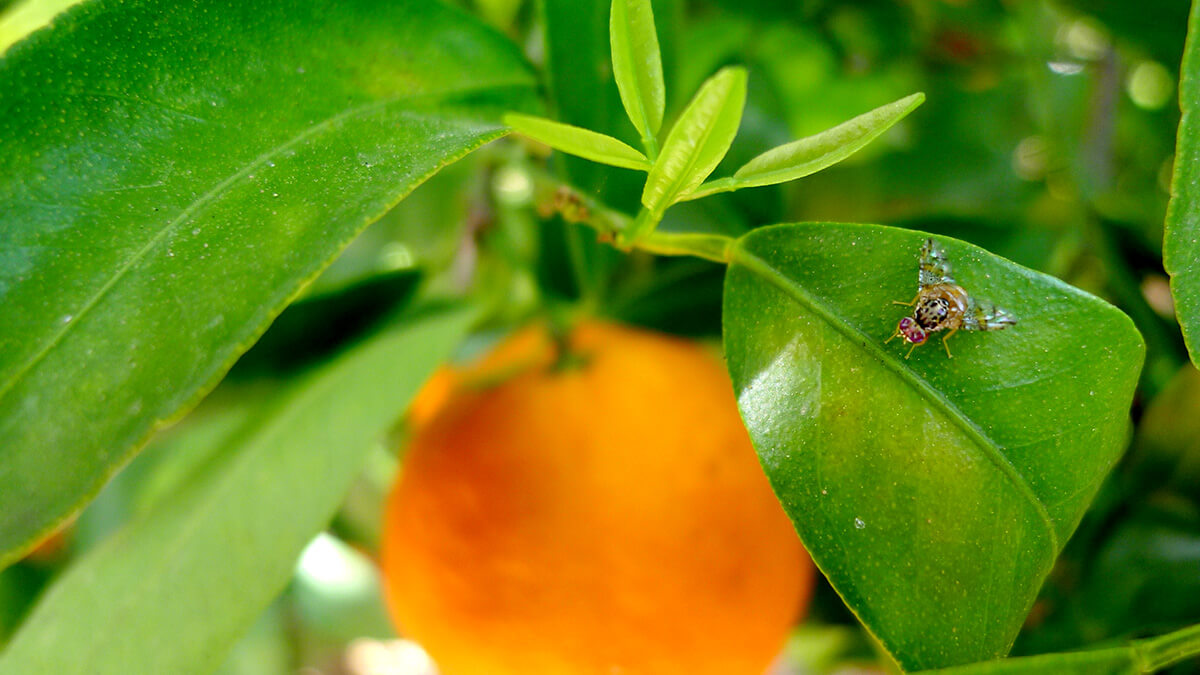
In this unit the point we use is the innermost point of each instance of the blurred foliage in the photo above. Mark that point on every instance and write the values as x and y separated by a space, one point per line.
1046 137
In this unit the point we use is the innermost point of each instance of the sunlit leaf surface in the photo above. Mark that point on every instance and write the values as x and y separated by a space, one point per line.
698 140
637 64
578 141
171 175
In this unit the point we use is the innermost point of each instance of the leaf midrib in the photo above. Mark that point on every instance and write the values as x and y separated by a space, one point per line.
212 195
740 255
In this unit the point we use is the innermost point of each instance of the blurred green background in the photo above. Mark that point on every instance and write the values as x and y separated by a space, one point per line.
1047 137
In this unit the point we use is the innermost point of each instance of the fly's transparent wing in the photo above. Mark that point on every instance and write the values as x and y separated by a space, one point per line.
934 268
986 316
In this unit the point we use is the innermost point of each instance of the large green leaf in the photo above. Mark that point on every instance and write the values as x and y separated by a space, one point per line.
1181 241
934 493
174 590
171 175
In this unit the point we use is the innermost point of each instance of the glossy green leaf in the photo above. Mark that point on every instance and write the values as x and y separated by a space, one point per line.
637 65
698 141
172 591
809 155
1137 658
579 142
935 493
1181 240
172 174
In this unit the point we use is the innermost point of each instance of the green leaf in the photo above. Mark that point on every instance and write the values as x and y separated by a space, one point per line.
699 140
576 141
637 66
934 493
583 92
1181 240
154 220
1142 656
172 591
810 155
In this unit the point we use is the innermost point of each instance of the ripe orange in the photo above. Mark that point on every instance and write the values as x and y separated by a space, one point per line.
606 517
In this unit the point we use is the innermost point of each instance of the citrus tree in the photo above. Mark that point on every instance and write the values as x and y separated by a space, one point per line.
174 175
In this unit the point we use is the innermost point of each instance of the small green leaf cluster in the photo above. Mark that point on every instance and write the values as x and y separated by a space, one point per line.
700 136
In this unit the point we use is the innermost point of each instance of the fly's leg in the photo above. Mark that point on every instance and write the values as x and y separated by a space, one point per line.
893 337
945 337
908 304
910 351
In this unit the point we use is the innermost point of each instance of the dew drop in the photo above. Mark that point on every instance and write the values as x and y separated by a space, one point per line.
859 524
67 318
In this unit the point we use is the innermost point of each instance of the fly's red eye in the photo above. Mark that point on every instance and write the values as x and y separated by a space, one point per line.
916 337
906 323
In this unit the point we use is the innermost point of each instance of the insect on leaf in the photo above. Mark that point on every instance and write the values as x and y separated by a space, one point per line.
698 141
637 65
934 493
579 142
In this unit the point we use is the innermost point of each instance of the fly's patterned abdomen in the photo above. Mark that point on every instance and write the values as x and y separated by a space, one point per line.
931 313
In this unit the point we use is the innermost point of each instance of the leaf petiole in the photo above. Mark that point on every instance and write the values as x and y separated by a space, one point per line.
643 224
614 226
1165 650
714 247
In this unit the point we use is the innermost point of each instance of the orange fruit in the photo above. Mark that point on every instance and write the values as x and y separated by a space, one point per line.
604 517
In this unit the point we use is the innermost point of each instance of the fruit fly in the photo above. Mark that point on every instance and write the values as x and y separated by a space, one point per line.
941 304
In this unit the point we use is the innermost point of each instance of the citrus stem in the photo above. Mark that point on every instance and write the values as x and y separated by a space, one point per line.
1165 650
643 225
712 187
615 226
651 145
715 247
